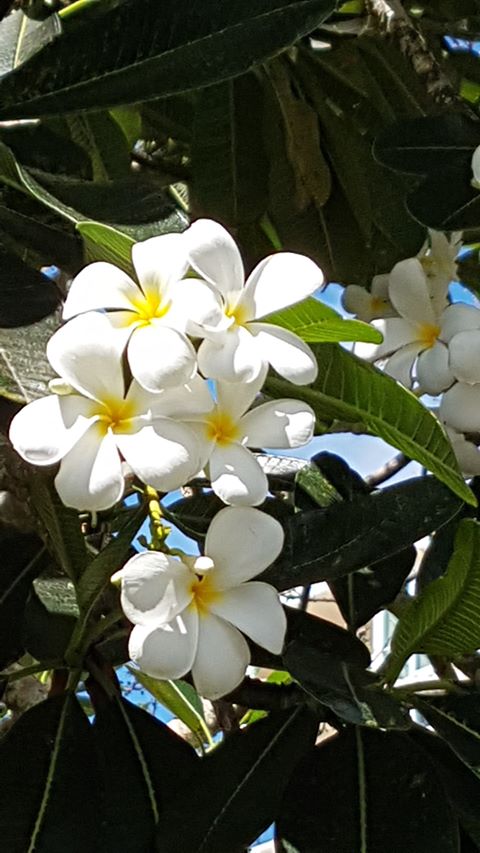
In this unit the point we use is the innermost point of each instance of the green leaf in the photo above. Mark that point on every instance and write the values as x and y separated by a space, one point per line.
437 207
49 618
352 391
135 55
181 699
104 243
370 792
21 36
312 482
457 720
23 558
24 368
62 524
45 243
445 619
347 536
315 322
229 165
39 811
429 144
26 295
230 815
143 764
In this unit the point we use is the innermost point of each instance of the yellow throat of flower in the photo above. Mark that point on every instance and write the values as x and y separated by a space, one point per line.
204 592
148 307
221 428
428 334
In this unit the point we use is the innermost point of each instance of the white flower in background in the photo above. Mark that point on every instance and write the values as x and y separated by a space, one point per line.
438 259
369 305
460 407
94 423
226 432
414 338
152 315
239 347
467 453
189 613
476 168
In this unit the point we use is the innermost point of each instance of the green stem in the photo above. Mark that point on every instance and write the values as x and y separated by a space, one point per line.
44 666
77 8
424 686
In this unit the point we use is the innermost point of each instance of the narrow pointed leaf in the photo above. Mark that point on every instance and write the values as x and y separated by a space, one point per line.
367 791
350 390
457 720
40 811
315 322
136 55
105 243
21 36
229 816
24 368
26 294
445 618
428 144
23 558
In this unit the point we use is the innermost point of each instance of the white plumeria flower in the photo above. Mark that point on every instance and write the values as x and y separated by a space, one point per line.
226 432
438 259
466 452
415 336
188 613
153 315
239 347
476 168
460 407
369 305
95 422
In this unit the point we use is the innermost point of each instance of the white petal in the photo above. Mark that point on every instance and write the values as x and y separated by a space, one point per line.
90 475
163 454
155 588
476 167
458 318
409 293
291 357
159 261
278 424
467 453
197 307
379 289
234 357
236 476
99 286
460 407
464 350
367 306
400 365
236 397
193 398
86 352
396 333
45 430
254 608
160 357
242 542
222 657
167 651
278 281
214 254
433 372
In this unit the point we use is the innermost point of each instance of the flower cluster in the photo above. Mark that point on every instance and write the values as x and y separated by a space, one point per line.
430 344
159 378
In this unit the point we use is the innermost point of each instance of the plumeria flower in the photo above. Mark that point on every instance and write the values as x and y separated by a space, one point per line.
226 432
191 613
95 422
460 407
476 168
152 315
438 258
466 452
415 336
369 305
239 347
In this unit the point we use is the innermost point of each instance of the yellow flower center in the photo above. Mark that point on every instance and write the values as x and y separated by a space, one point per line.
116 411
377 303
221 427
204 593
428 334
237 313
149 307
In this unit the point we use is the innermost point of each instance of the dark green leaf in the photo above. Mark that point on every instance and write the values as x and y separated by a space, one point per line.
48 758
445 619
24 369
49 245
137 55
49 618
21 37
143 764
457 720
23 557
230 815
26 295
314 322
229 166
350 390
367 791
62 525
447 201
429 144
104 243
362 594
326 544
